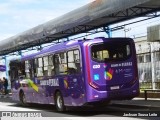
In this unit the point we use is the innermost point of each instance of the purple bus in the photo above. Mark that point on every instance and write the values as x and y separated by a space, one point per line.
2 68
76 73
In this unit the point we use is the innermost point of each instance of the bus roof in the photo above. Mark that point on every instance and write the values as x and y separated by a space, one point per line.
53 48
68 44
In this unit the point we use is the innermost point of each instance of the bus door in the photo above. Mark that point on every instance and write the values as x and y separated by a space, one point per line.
68 71
75 74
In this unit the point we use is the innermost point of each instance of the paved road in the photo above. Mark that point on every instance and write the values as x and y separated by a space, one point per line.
80 113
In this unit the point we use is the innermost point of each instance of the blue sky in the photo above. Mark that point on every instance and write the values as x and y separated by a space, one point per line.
17 16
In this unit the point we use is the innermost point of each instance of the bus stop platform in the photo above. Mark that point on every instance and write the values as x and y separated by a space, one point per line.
151 103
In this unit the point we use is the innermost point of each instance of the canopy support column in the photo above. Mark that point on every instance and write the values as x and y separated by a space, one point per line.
108 31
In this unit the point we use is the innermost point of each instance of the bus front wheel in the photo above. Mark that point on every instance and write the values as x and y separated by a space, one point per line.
59 102
23 99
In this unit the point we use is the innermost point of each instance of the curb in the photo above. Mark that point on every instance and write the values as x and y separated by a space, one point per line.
135 106
5 96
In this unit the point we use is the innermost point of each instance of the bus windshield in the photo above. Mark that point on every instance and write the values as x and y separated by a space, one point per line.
111 51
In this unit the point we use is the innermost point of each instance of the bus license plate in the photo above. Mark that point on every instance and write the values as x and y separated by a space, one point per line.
115 88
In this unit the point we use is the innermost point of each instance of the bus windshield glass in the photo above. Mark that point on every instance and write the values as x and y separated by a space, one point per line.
111 51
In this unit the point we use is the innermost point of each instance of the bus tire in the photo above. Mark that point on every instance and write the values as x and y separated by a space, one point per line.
23 99
59 102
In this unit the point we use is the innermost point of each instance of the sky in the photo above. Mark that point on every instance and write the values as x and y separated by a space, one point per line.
17 16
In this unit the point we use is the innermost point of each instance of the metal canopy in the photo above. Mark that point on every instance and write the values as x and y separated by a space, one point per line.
97 14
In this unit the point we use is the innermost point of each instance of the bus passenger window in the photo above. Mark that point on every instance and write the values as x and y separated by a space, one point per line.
27 68
73 62
60 61
77 60
35 67
40 67
45 62
63 63
51 66
56 61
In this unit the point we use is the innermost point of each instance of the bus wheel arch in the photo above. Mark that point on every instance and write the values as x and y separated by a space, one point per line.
59 101
22 98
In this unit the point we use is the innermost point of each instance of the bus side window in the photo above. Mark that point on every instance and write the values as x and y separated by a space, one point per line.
77 60
40 67
27 69
63 63
35 67
46 64
51 66
56 63
60 61
32 68
73 62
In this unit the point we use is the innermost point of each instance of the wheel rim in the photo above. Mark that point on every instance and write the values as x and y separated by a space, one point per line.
59 102
23 99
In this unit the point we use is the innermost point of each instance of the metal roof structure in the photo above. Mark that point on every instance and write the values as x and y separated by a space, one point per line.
99 13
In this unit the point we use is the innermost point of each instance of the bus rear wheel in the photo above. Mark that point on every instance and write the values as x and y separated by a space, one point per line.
59 102
23 99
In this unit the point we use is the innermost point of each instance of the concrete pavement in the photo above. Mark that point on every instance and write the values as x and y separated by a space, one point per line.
151 103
